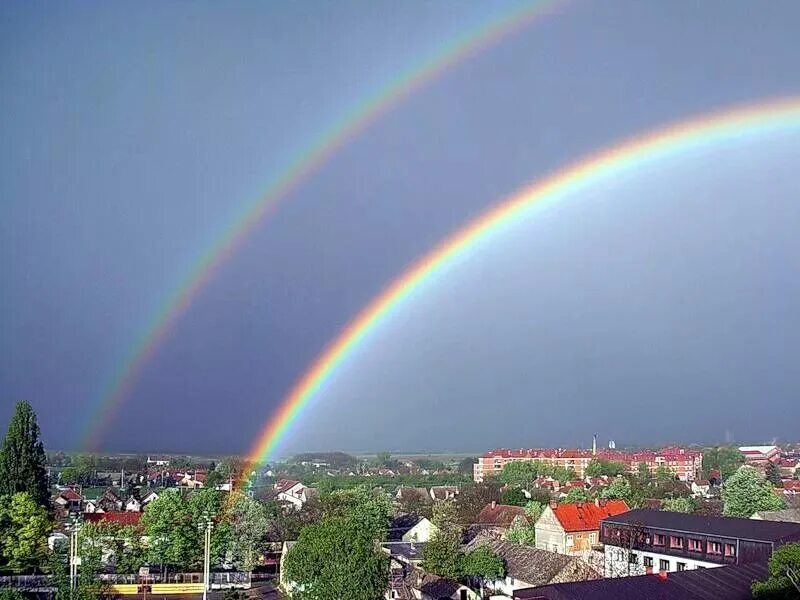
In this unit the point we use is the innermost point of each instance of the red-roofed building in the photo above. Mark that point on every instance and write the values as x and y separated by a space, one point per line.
574 528
495 519
119 518
788 467
791 487
69 500
684 463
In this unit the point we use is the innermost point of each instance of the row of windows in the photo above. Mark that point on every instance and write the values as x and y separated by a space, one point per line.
663 564
694 545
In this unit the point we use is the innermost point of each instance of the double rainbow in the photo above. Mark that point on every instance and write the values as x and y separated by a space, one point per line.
447 55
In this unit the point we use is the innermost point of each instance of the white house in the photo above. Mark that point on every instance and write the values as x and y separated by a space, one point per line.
289 492
701 488
133 505
149 497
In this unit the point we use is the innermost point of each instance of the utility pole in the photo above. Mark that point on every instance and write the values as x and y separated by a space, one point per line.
74 555
207 526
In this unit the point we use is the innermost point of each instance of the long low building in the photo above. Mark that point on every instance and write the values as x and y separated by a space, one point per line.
683 463
646 541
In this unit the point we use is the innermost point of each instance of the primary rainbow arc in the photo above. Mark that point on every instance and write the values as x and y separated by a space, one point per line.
708 130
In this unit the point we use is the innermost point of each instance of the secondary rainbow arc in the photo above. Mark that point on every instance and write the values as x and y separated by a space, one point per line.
305 164
716 128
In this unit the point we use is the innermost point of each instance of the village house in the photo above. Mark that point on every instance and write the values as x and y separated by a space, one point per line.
443 492
787 515
646 541
574 528
527 567
289 493
69 501
791 487
158 461
410 528
701 488
133 505
495 519
788 467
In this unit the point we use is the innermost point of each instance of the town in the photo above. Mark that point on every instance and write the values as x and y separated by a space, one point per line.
702 522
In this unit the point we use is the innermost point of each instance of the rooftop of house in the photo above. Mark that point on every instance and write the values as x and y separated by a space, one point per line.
406 550
672 452
120 518
722 583
586 516
758 449
786 515
410 493
731 527
284 485
71 495
534 566
402 524
499 514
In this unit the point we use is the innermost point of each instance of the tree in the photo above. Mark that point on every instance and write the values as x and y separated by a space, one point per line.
519 474
643 472
24 526
725 459
619 489
600 466
249 527
534 510
465 465
442 554
484 565
174 537
22 458
578 494
746 492
514 497
521 532
370 508
784 575
336 559
773 474
473 498
684 505
663 474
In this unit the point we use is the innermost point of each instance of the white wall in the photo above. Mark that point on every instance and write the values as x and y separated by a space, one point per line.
616 562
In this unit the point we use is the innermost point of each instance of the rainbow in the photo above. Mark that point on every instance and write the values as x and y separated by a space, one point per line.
705 131
307 162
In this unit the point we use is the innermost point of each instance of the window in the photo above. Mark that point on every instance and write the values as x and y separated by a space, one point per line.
714 548
730 550
695 545
570 540
593 538
663 565
680 566
659 540
675 541
633 558
648 561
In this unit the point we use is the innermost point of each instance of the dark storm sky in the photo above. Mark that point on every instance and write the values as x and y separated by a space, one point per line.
661 308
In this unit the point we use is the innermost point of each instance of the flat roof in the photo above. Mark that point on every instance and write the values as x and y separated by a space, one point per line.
730 527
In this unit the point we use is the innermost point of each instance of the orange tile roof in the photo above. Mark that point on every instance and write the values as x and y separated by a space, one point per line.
585 516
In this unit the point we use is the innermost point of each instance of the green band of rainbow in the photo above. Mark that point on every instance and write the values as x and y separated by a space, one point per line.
452 52
716 128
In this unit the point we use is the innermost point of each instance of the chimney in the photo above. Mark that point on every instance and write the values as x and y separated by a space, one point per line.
494 504
594 444
662 575
579 504
597 502
553 504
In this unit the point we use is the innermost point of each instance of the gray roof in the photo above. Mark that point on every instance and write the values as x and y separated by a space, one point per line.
787 515
407 550
730 527
534 566
721 583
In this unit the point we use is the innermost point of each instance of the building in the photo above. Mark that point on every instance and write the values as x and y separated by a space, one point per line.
410 528
443 492
574 528
528 567
684 463
725 583
495 519
289 493
646 541
788 467
788 515
759 456
158 461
